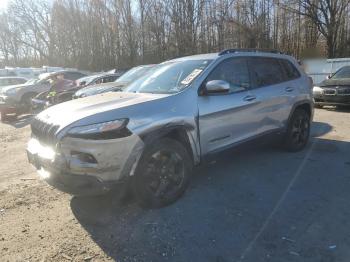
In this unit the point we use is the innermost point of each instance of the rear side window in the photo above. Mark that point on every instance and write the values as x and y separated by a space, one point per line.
290 70
73 75
266 71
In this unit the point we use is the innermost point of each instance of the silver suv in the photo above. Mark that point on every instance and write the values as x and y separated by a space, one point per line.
149 137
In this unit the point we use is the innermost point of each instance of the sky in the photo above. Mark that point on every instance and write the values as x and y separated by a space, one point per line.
3 4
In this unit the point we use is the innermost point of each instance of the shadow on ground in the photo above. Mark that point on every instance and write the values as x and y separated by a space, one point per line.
19 121
228 202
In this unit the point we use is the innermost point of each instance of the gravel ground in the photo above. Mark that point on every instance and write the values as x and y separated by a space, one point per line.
256 203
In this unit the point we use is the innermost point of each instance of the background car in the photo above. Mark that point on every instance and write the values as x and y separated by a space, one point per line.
97 79
335 90
8 81
122 82
16 99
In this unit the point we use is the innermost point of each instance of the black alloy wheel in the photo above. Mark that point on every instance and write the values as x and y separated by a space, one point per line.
298 131
163 173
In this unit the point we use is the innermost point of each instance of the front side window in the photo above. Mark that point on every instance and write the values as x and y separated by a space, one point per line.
266 71
169 77
234 71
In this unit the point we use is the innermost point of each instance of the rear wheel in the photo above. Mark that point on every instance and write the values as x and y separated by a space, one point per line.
163 174
298 131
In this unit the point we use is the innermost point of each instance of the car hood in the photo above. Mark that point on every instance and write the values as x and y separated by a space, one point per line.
335 82
98 89
95 109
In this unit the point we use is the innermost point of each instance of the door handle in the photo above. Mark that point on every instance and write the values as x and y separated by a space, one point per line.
249 98
289 89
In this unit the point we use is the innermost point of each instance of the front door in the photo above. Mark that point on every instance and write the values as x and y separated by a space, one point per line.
225 119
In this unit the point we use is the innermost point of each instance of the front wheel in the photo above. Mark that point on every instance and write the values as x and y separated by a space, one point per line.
163 173
298 131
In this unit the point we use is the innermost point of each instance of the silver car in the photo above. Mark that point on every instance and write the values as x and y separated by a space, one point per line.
149 137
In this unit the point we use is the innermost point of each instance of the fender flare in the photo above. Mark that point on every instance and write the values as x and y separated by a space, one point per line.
187 131
300 103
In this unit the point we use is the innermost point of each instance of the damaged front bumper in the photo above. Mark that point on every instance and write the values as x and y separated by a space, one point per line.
86 167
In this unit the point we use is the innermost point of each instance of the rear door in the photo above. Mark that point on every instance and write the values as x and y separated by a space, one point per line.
273 90
225 119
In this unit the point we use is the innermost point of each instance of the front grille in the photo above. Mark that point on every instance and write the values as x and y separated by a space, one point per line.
344 91
329 91
44 132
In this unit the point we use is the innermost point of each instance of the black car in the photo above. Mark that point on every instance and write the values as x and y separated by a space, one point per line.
335 90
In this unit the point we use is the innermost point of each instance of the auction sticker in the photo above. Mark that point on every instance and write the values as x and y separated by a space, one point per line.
191 76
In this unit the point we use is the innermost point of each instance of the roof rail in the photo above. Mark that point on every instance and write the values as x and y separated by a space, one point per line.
254 50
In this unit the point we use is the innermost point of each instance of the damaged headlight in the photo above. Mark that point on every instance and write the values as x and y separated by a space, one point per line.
105 130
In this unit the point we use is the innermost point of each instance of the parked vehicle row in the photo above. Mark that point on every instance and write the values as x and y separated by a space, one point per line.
117 85
55 96
38 94
148 137
16 99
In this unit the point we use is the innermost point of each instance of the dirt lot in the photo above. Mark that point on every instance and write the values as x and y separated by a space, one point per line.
252 204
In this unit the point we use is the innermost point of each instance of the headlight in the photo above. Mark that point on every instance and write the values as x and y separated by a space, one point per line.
317 90
105 130
42 151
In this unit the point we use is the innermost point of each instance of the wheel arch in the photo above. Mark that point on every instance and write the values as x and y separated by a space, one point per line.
305 105
180 133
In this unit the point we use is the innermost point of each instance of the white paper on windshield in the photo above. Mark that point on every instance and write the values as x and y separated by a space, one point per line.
191 76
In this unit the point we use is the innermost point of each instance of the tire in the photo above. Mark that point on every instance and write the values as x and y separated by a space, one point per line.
163 174
26 101
298 131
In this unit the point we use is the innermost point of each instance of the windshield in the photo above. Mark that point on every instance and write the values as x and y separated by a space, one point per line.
32 81
133 74
87 79
169 77
342 73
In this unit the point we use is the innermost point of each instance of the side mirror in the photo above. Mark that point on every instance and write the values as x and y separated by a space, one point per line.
216 87
329 76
